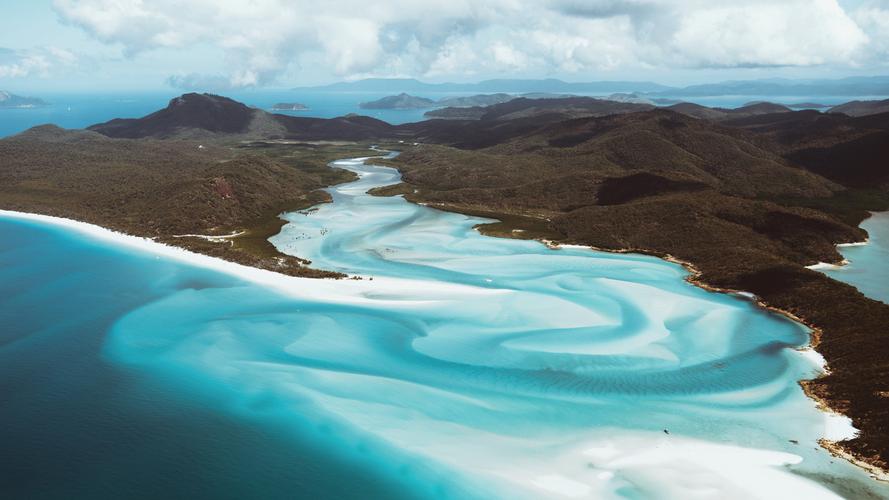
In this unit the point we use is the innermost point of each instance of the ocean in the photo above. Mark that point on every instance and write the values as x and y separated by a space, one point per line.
460 366
866 267
85 109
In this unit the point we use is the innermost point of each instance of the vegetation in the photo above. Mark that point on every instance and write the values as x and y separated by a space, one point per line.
207 116
166 189
400 101
862 108
747 203
747 198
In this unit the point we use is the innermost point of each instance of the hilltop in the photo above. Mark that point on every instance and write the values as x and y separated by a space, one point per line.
163 189
720 114
492 124
203 116
862 108
475 107
848 150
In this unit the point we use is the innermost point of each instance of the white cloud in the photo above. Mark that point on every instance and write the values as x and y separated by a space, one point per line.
873 18
790 33
39 62
263 38
746 33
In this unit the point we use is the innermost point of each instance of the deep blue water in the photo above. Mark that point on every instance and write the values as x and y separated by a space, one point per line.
468 367
83 110
76 424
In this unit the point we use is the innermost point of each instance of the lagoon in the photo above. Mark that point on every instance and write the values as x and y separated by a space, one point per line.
460 366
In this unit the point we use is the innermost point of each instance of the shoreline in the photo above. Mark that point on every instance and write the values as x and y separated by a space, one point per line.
738 461
834 447
819 266
290 285
343 291
694 278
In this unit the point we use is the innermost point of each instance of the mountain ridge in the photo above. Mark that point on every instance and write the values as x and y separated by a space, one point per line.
196 116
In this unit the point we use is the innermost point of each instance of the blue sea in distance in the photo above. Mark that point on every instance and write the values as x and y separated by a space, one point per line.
866 266
83 110
468 367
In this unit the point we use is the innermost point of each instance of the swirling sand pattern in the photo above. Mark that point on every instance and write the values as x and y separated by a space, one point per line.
481 367
547 373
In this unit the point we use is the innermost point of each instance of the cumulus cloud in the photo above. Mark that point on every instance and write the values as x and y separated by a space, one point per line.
873 18
792 33
39 62
350 38
747 33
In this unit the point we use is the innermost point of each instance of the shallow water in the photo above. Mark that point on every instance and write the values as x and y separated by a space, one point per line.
469 367
867 267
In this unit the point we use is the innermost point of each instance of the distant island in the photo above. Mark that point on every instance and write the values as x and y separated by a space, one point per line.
400 101
470 107
8 100
289 106
517 86
851 86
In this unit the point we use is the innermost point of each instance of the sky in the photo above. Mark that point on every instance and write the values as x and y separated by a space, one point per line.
79 45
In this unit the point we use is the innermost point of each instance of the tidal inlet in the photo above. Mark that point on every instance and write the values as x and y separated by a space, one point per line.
428 250
458 366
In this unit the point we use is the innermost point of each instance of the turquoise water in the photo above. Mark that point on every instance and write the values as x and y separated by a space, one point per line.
79 420
467 367
866 268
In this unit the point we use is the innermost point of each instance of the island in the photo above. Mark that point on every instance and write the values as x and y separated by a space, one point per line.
289 106
188 169
746 199
400 101
8 100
